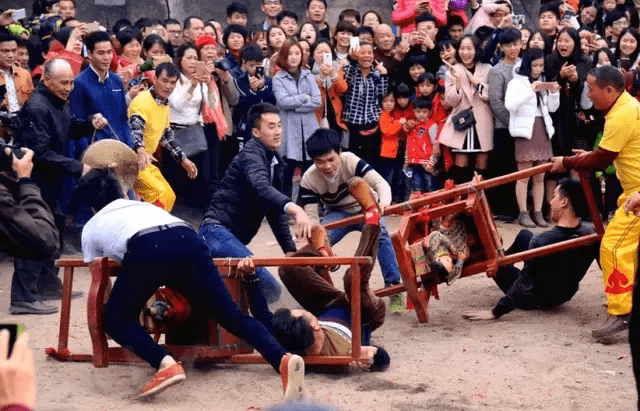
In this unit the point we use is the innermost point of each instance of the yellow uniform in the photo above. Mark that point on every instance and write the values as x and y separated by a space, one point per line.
149 120
619 249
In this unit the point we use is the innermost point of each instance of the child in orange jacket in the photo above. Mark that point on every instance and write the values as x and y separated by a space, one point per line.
391 158
423 151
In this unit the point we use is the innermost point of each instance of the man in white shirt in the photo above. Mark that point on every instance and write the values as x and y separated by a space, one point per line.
154 249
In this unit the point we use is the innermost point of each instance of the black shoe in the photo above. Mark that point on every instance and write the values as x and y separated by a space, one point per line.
613 325
57 295
31 307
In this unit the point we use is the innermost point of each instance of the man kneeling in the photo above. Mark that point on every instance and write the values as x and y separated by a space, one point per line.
154 249
323 326
546 282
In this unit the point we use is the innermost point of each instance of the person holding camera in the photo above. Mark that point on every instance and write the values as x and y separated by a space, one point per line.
46 127
254 87
27 227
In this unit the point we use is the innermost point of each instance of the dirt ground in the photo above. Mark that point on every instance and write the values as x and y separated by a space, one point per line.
543 360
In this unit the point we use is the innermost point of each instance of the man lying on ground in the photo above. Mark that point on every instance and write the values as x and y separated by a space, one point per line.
551 280
323 326
157 249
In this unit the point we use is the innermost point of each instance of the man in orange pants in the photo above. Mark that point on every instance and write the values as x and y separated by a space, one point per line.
620 145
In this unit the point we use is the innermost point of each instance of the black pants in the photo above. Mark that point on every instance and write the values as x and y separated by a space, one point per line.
176 258
287 175
32 278
194 191
502 161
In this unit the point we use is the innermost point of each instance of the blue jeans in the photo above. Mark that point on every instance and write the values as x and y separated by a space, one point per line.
422 181
386 255
222 243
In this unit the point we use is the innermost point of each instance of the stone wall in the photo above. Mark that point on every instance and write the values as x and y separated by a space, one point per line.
179 9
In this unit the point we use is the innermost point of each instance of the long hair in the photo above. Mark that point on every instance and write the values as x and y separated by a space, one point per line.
577 50
634 56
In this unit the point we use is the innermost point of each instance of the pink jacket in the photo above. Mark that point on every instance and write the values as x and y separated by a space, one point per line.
468 97
404 15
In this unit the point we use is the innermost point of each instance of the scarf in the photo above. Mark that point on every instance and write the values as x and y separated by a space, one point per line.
214 115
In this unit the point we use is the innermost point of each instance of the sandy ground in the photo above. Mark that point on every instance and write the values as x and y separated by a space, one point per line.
527 360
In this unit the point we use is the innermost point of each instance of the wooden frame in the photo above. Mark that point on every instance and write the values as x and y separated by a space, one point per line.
229 349
469 198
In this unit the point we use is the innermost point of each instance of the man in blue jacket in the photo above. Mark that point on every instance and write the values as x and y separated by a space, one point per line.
246 195
253 88
96 90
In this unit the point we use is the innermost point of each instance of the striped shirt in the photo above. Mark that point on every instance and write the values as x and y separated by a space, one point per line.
334 193
363 101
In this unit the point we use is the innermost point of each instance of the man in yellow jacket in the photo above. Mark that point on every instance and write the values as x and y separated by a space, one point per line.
149 122
620 145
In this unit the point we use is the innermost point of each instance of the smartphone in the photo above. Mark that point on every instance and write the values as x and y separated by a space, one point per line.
405 39
355 43
201 69
328 58
624 63
14 331
548 86
19 14
567 15
93 27
518 19
260 71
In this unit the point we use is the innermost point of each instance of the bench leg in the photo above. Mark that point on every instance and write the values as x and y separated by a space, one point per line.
95 311
65 312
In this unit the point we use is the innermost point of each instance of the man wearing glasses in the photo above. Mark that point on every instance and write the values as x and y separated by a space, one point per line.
270 8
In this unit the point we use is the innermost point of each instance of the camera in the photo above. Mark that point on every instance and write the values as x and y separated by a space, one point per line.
222 64
6 161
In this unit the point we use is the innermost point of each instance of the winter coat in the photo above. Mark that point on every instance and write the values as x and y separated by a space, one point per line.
336 91
27 227
468 97
46 126
246 196
522 103
296 113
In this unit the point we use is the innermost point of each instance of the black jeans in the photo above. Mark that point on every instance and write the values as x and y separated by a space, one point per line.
176 258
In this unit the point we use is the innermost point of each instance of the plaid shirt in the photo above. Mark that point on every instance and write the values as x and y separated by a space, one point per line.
138 124
363 101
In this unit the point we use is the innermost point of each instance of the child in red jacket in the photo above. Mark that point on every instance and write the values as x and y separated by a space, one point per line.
392 148
423 150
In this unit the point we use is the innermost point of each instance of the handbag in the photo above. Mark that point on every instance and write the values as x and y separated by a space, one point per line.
463 120
190 139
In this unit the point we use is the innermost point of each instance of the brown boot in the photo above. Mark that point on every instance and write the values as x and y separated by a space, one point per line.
320 241
363 194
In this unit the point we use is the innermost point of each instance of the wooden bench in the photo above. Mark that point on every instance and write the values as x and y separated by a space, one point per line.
470 199
222 346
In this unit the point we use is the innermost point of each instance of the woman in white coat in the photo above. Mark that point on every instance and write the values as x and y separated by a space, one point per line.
466 91
529 100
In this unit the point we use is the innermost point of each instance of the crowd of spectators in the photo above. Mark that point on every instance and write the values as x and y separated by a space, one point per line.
442 91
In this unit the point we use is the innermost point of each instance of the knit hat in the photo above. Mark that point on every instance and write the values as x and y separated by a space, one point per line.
205 41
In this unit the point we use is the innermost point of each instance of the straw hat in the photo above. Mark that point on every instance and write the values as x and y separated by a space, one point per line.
115 155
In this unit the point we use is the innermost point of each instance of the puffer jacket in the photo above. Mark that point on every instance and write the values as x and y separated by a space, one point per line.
522 103
246 196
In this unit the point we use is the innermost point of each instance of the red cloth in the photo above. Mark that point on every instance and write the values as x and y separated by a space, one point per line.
15 407
57 51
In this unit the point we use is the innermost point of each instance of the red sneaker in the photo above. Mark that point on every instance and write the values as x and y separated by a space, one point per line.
163 380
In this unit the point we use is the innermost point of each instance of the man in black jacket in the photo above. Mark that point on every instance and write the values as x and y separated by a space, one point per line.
546 282
46 125
246 196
